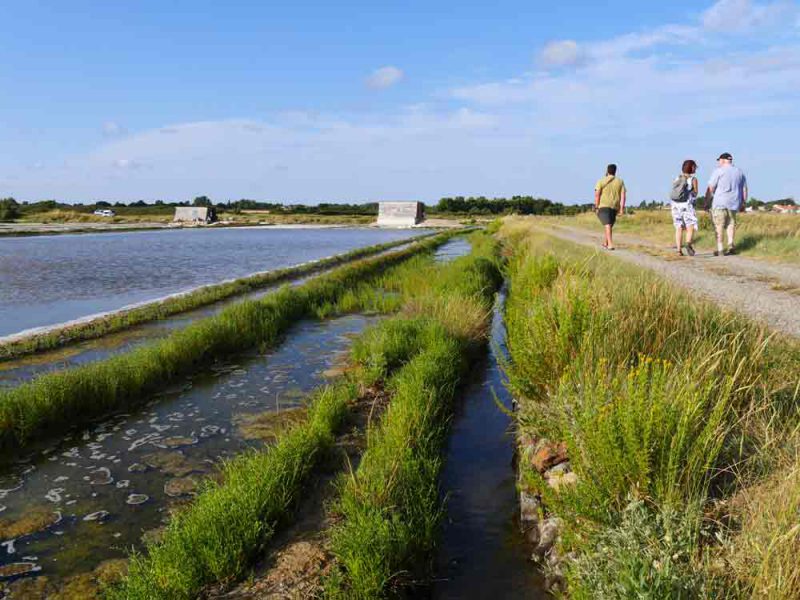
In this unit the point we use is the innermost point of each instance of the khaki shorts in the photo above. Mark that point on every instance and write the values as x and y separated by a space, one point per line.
722 217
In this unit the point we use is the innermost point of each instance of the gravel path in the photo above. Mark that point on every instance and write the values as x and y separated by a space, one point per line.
766 292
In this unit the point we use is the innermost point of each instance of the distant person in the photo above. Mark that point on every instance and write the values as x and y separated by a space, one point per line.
728 187
609 200
684 199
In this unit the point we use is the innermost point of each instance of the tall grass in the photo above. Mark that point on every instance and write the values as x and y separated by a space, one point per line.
216 538
161 309
655 394
390 507
54 402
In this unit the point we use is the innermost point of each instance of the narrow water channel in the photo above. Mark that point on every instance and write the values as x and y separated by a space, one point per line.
69 506
482 552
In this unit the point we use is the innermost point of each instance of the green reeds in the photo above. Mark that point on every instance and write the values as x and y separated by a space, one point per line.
390 506
57 401
654 393
203 296
217 537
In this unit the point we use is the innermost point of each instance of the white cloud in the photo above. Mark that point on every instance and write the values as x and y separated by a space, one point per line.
740 15
385 77
112 128
561 53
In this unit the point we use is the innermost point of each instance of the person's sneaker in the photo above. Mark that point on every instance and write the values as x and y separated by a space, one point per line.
730 251
680 251
716 252
690 249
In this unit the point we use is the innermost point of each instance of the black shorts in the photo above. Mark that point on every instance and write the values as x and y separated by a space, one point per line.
607 216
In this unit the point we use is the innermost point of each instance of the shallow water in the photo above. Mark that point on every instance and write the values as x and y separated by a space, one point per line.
52 279
482 552
17 371
100 489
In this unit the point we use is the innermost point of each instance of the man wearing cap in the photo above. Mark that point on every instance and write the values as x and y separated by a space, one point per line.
728 187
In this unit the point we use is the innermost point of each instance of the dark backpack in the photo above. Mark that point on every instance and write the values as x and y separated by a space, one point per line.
680 191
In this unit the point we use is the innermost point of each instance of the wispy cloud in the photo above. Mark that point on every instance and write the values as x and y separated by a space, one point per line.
385 77
112 128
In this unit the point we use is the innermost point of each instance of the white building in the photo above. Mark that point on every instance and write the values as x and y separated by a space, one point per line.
400 214
193 214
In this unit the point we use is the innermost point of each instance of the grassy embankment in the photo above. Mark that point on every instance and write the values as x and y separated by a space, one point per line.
392 499
204 296
56 401
763 235
680 421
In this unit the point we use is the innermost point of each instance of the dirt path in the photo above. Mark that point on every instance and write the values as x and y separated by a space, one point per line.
762 291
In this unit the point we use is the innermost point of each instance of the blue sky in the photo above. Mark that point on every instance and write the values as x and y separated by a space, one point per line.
357 101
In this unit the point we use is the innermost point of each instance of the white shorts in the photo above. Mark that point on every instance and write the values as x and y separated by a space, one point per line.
683 215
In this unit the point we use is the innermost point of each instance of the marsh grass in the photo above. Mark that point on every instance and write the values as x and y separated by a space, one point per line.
218 536
161 309
390 507
663 400
55 402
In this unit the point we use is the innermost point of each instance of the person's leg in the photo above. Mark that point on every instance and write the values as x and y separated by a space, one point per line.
731 230
678 238
609 236
719 223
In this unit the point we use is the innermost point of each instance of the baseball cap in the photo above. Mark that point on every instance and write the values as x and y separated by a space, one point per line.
725 156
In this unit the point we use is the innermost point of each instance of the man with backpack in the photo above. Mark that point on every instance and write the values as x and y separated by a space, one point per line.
728 187
684 197
609 199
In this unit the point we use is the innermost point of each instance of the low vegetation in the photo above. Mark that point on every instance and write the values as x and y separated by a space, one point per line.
422 359
674 414
390 507
203 296
55 401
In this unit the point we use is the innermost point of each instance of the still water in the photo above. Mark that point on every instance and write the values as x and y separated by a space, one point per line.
67 507
52 279
482 553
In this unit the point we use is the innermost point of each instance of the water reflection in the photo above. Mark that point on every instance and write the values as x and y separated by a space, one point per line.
52 279
482 552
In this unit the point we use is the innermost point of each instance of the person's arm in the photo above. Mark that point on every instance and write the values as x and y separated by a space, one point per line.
622 198
745 194
597 198
712 186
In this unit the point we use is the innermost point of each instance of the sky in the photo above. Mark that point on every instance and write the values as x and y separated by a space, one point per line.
355 101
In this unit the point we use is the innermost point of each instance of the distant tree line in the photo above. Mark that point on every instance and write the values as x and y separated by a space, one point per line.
521 205
478 205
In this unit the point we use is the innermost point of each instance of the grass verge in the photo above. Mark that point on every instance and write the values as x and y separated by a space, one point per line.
668 408
153 311
57 401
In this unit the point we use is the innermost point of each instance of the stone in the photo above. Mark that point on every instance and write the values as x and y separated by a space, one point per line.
173 463
153 536
529 507
560 480
176 441
137 468
98 516
268 425
549 455
136 499
101 476
34 520
548 534
181 486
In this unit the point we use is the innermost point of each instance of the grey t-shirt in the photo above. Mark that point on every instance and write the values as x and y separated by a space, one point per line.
728 184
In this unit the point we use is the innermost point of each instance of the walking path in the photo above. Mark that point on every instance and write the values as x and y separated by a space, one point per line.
766 292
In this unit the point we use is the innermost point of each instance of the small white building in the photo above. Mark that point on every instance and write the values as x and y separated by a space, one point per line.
193 214
400 214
